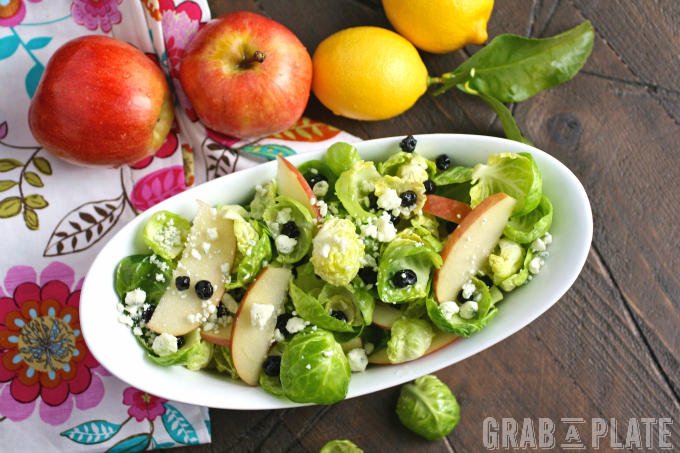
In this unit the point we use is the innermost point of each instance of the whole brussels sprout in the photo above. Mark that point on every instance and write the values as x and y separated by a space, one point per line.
507 260
410 339
314 368
340 446
337 252
428 408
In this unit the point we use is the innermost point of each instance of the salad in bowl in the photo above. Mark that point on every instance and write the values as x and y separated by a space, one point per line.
336 265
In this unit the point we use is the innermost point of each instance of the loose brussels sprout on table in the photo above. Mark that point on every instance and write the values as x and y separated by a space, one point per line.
340 446
363 268
428 408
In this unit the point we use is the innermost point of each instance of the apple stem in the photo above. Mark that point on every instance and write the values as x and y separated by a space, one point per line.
247 63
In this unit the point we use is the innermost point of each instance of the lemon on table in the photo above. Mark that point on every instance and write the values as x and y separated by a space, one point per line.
440 26
368 73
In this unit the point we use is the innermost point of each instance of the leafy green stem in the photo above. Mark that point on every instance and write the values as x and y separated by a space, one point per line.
125 194
450 80
44 23
23 173
23 44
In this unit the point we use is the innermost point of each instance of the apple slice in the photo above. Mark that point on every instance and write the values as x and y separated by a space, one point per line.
294 186
352 344
440 340
222 336
249 345
384 314
470 245
445 208
173 310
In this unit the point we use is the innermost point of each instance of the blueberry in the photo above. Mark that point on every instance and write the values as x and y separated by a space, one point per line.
487 280
372 201
281 322
148 313
316 178
204 290
450 226
408 198
180 342
339 315
290 229
238 293
443 162
272 366
408 145
221 310
395 219
430 187
368 275
404 278
182 283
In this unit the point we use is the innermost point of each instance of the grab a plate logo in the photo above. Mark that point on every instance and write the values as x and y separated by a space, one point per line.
577 434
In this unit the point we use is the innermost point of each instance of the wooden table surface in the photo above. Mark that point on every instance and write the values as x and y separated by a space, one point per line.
610 348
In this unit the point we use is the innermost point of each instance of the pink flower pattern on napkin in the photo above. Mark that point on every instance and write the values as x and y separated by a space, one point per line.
96 13
157 186
142 405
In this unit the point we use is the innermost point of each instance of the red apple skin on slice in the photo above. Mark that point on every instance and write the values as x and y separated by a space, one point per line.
249 346
445 208
384 315
294 186
469 246
221 336
171 314
441 339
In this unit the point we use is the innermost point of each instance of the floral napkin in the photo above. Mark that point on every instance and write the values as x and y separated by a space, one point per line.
55 217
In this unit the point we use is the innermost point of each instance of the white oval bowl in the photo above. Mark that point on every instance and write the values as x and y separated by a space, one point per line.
114 346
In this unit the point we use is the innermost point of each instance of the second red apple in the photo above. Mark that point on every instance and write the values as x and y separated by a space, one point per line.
246 75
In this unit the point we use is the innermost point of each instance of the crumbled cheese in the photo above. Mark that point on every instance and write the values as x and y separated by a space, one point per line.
309 367
206 248
260 314
323 208
212 234
125 319
386 231
535 265
120 308
135 297
320 189
468 289
328 353
468 310
389 200
448 309
278 336
284 244
160 278
195 254
229 303
168 236
284 216
538 245
369 347
224 268
367 185
137 331
547 239
295 325
164 344
357 360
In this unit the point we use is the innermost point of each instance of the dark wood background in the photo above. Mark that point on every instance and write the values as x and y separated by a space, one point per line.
611 347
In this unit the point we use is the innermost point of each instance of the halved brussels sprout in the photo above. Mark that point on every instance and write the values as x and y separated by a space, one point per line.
457 325
202 357
277 214
184 355
337 252
336 299
427 222
271 384
223 361
516 175
307 170
519 278
529 227
428 408
410 339
340 446
246 235
364 300
353 187
399 185
406 253
392 165
341 156
252 263
314 368
133 272
165 233
264 195
454 175
416 308
506 260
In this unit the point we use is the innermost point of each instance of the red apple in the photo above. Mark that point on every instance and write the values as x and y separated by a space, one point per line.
101 102
445 208
470 245
294 186
247 75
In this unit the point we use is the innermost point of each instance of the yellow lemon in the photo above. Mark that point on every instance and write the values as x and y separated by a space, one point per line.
440 26
368 73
